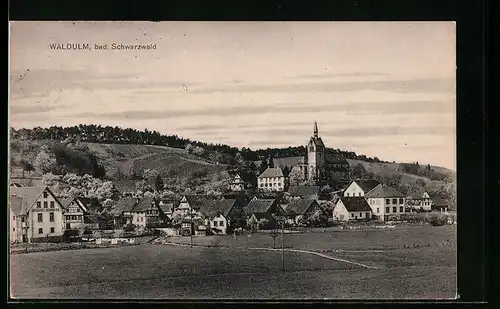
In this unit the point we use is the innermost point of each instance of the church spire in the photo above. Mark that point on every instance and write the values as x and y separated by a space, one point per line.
315 129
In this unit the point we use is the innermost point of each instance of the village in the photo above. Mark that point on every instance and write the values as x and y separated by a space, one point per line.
40 214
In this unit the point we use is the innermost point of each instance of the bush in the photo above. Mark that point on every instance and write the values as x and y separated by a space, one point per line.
437 220
129 228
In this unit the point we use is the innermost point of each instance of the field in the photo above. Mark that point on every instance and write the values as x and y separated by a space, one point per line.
157 271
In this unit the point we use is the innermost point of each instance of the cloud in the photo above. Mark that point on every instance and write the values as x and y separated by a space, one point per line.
425 85
18 110
330 75
347 107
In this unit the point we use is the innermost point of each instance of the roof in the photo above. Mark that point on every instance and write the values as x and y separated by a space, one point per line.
367 185
299 207
383 190
357 203
28 194
168 205
16 205
288 161
90 201
335 158
143 204
65 202
124 204
257 205
439 202
303 190
263 215
317 141
272 172
196 201
242 198
213 208
416 194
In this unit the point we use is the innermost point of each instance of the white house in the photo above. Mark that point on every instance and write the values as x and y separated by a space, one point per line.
271 180
419 200
385 201
352 209
38 215
237 184
360 187
74 212
221 214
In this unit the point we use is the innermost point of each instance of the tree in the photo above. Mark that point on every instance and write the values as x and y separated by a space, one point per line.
286 171
197 150
159 184
263 166
50 179
44 162
189 148
150 174
296 176
27 167
359 171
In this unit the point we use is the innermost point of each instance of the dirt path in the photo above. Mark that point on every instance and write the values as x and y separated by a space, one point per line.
287 250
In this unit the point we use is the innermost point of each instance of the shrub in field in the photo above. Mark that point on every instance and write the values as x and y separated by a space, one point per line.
437 219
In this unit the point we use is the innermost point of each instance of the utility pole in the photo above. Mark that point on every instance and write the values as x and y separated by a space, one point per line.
283 244
191 226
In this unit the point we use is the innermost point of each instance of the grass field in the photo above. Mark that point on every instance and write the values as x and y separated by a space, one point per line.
173 272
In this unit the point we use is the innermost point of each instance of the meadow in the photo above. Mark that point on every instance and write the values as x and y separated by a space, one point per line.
161 271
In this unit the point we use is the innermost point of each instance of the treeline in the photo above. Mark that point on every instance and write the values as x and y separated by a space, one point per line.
116 135
424 171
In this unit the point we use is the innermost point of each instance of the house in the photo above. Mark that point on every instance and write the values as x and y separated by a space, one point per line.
145 213
122 211
337 167
419 200
440 205
192 203
91 203
360 187
385 201
38 215
243 198
74 212
259 206
299 209
271 180
262 221
352 209
167 207
237 184
222 214
305 192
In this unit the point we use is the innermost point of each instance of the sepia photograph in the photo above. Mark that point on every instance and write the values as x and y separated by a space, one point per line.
232 160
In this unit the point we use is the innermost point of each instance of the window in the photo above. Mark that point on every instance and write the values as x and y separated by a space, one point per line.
22 219
38 204
394 209
401 209
40 231
51 217
215 223
347 194
394 200
359 193
40 217
368 215
401 201
45 194
387 210
352 215
279 184
45 204
13 217
360 214
221 223
142 219
261 185
52 230
378 210
387 201
51 204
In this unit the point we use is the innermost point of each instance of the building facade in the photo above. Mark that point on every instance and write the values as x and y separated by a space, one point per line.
386 201
271 180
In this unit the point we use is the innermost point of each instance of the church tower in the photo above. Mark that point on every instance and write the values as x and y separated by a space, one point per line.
315 156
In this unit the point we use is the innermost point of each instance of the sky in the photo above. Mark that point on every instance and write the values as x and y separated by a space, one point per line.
384 89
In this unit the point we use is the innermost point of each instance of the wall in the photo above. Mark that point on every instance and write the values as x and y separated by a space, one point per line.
46 224
381 204
139 219
354 190
219 218
274 184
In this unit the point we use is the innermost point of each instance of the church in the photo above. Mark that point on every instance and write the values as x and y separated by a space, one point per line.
317 166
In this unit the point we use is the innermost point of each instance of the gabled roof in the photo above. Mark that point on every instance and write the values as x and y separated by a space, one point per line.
357 203
366 185
288 161
28 194
416 194
65 202
299 207
124 204
168 205
263 215
304 190
18 205
383 190
143 204
196 201
258 205
272 172
213 208
242 198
